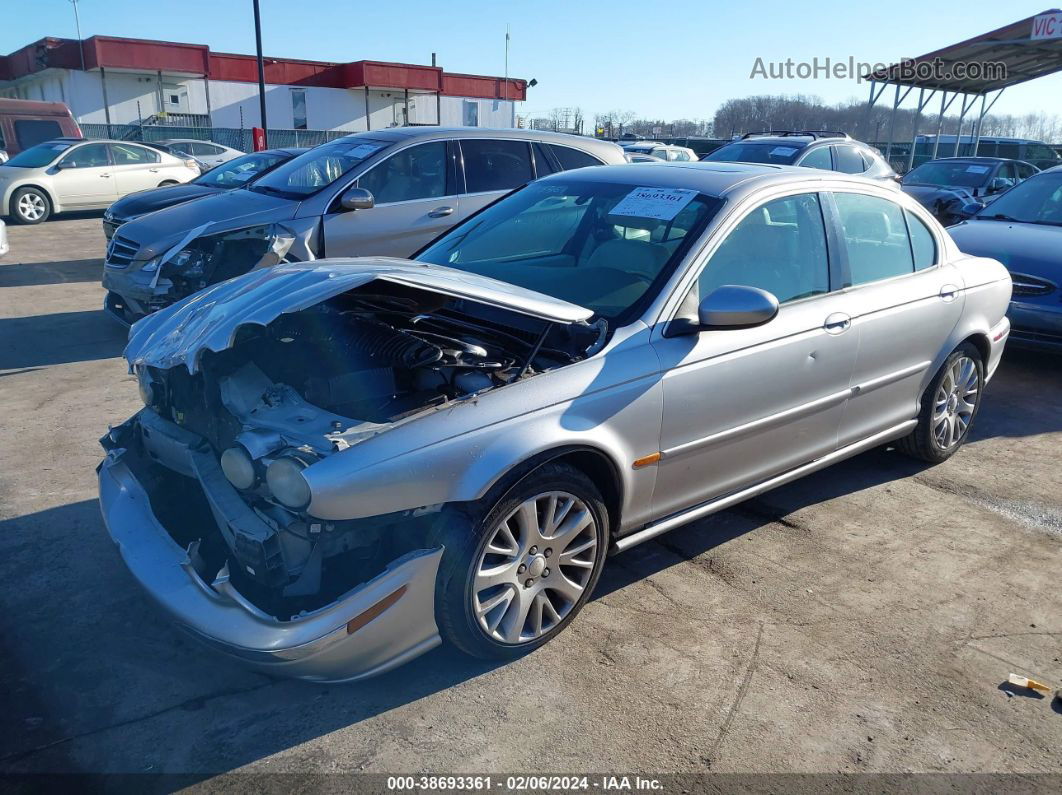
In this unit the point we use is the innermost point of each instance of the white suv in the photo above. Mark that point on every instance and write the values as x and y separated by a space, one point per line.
74 174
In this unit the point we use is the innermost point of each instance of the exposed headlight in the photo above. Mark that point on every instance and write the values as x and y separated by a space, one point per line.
287 483
189 261
238 467
146 385
151 265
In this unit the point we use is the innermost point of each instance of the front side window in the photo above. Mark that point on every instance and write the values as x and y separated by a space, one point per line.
848 160
311 171
818 158
604 246
779 247
30 132
129 155
87 156
418 172
495 165
875 237
572 158
923 246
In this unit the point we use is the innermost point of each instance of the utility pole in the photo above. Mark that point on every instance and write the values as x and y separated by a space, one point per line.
261 72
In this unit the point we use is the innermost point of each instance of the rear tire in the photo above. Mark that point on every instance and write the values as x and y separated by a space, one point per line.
30 206
516 572
949 406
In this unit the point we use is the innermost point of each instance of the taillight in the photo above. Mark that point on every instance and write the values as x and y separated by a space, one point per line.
190 164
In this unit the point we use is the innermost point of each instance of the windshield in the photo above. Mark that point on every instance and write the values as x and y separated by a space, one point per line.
1037 200
599 245
941 172
241 170
749 152
39 155
306 174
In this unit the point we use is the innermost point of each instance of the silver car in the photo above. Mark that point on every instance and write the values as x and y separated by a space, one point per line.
340 464
386 192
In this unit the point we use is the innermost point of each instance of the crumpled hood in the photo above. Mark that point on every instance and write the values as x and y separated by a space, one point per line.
148 201
1032 249
159 231
210 319
929 195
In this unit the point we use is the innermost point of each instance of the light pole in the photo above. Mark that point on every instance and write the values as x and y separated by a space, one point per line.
261 73
80 44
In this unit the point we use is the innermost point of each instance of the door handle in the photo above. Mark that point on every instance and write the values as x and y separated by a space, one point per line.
153 170
837 323
105 176
948 292
440 212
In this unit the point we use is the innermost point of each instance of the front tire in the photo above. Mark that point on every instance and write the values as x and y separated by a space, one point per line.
949 406
513 579
30 206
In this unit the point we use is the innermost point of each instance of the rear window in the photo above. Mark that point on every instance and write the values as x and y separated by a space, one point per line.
781 154
30 132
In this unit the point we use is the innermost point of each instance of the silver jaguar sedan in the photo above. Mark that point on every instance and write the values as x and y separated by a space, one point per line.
342 463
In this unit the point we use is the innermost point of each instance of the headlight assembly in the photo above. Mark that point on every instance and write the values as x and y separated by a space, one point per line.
238 467
286 482
149 390
189 262
151 265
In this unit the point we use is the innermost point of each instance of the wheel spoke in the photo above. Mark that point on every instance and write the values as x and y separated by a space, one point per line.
565 587
516 618
569 556
574 523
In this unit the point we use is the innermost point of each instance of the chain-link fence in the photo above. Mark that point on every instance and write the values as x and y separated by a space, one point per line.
226 136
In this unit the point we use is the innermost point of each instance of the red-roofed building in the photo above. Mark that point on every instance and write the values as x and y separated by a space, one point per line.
109 80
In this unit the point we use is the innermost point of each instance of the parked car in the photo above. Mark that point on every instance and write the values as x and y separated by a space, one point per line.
661 151
208 153
387 193
1022 229
3 157
832 151
25 123
950 187
637 157
341 463
1027 150
4 247
74 174
236 173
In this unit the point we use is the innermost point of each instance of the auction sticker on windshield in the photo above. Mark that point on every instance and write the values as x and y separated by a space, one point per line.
662 204
783 151
977 170
364 150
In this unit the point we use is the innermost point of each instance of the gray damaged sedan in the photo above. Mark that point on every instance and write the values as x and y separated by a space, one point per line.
342 463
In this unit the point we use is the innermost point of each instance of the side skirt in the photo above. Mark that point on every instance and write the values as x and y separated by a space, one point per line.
721 503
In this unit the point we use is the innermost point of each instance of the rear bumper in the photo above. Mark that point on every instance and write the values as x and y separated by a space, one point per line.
376 626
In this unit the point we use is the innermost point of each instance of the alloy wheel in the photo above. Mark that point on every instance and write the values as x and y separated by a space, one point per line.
535 567
31 206
955 402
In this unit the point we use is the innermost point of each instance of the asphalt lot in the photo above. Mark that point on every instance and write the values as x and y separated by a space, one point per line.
860 620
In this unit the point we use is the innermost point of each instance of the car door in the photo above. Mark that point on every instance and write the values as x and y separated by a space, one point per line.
904 302
85 177
415 193
742 405
492 168
136 167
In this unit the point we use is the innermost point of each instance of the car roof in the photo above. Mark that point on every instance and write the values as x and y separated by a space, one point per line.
431 133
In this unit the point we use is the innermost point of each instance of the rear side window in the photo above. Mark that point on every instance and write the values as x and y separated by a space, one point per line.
818 158
923 246
30 132
129 155
875 236
495 165
209 150
572 158
848 160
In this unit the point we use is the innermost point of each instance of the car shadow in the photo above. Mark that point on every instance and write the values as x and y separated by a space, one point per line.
1008 411
35 274
59 338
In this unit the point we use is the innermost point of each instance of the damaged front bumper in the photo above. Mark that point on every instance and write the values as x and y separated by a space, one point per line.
373 628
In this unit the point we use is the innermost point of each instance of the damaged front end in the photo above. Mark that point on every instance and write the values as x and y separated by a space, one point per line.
255 381
139 282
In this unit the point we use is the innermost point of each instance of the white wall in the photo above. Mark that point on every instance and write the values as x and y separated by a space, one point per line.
492 112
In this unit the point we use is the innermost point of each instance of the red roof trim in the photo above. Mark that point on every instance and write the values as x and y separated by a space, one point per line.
113 52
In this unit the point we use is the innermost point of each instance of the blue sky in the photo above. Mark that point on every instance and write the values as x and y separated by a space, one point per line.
669 60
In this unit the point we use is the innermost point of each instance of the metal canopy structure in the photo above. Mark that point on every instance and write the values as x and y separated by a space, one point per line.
978 68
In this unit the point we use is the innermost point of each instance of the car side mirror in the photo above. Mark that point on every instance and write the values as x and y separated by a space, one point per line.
736 306
999 184
972 208
357 199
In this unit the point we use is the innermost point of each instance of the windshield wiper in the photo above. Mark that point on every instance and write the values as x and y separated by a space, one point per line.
1001 217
